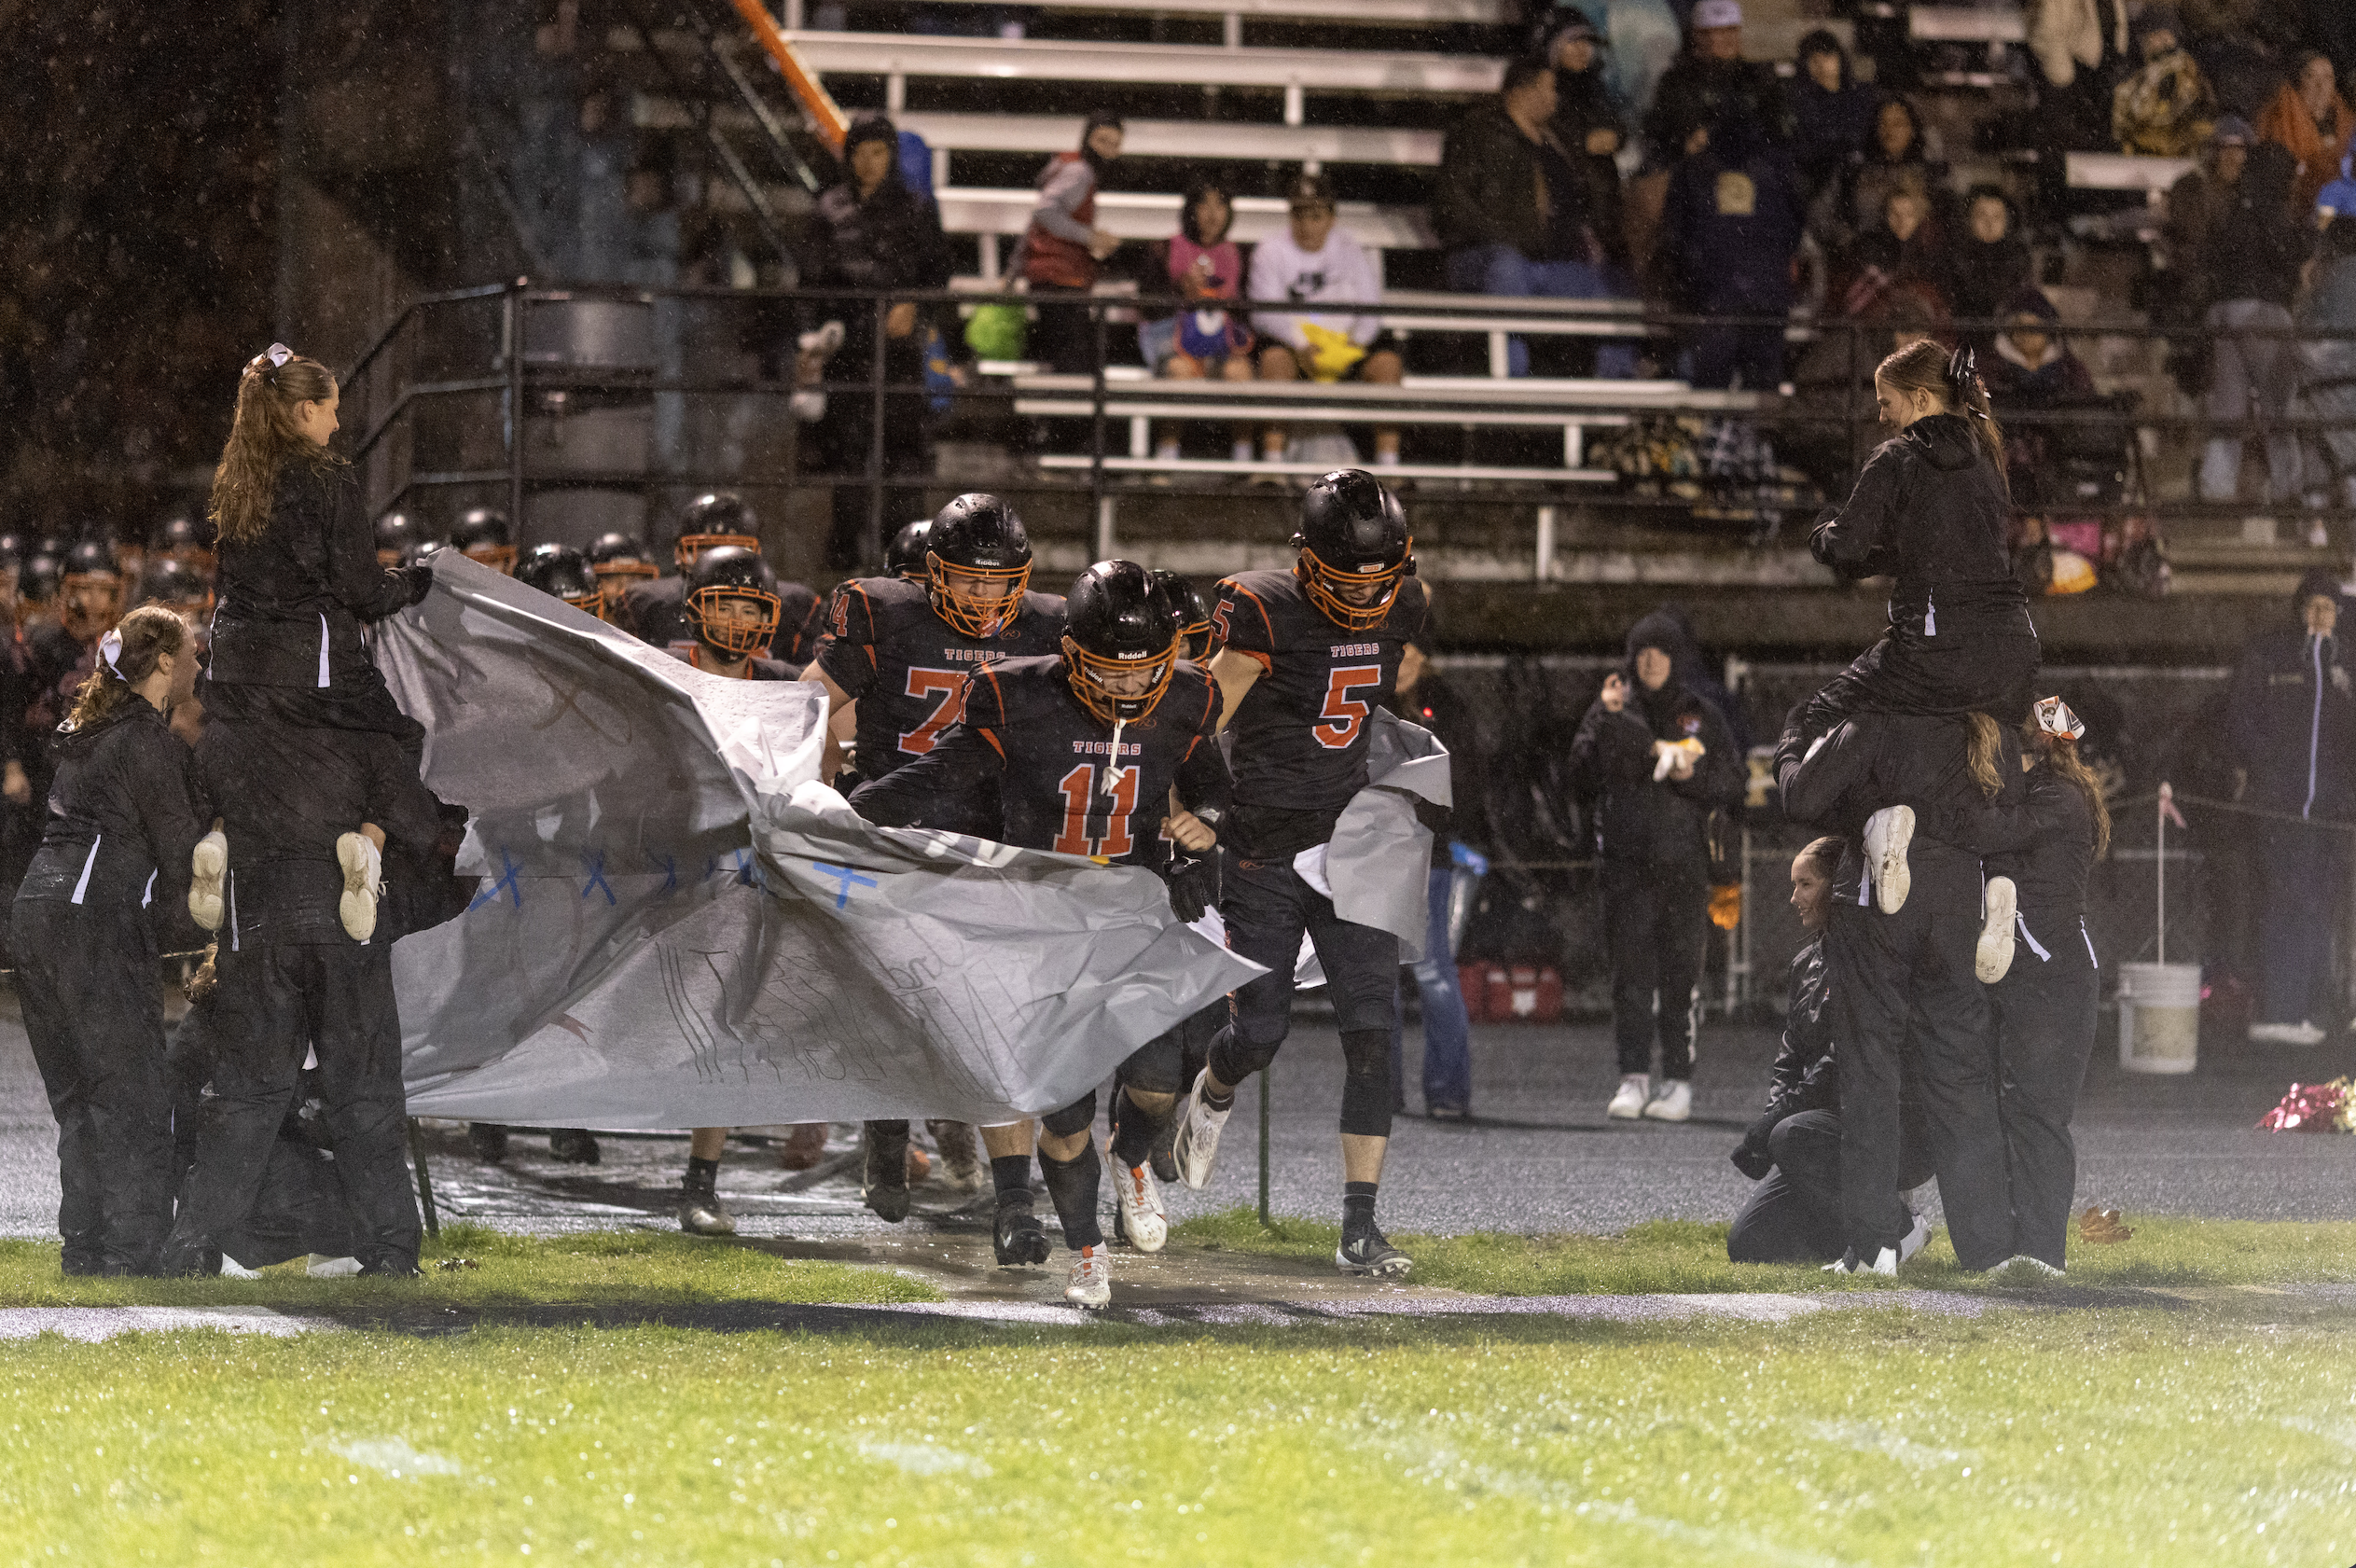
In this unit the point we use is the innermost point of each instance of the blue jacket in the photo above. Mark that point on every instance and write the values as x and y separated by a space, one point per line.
2293 718
1733 218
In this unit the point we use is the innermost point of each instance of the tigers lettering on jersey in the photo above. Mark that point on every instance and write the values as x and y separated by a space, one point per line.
1300 732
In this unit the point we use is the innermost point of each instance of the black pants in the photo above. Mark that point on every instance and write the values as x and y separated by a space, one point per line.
86 979
1908 1006
1963 672
1656 919
273 1005
1794 1216
843 442
2305 877
1268 907
1064 336
2044 1023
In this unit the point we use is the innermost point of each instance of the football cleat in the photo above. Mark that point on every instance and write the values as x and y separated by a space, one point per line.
1091 1286
700 1215
207 868
1018 1237
1195 1148
1140 1217
1367 1252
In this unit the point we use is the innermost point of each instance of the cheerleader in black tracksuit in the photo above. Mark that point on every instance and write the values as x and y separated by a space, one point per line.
122 823
2045 1002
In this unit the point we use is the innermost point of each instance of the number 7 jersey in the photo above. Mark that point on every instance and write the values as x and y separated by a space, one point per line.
1300 732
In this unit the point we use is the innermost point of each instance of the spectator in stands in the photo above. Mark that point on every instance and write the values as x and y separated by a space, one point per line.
1733 219
1899 153
2197 204
1205 269
1991 263
1710 85
2080 46
2310 120
1834 112
2032 371
1512 208
1904 253
1591 122
872 232
2164 109
2255 254
1063 246
1316 263
2327 364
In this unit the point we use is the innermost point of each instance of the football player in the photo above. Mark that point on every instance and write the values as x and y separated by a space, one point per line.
905 556
619 559
654 609
564 573
1303 657
482 535
395 532
1085 753
895 663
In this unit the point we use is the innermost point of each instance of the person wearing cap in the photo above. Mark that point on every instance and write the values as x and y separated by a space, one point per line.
1512 208
1316 263
1064 248
872 232
2045 845
2164 109
2291 720
1657 761
1710 85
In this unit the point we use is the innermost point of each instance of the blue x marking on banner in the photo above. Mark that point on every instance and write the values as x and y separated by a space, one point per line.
594 863
846 875
508 871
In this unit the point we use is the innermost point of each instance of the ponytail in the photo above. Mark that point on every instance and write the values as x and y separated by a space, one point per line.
1954 380
127 656
1984 753
264 438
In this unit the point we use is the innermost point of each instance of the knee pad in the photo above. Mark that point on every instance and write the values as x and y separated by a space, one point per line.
1233 1058
1074 1117
1365 1090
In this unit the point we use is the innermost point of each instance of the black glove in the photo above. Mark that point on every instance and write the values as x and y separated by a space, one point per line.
418 578
1751 1156
1189 882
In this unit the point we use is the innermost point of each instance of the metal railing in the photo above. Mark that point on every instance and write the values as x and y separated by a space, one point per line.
448 399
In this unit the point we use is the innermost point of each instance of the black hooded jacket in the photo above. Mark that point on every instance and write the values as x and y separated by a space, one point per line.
1887 759
1637 821
292 603
2292 717
2045 843
2257 249
1931 510
122 816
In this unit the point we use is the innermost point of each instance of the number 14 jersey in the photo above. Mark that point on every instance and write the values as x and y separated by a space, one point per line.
1300 732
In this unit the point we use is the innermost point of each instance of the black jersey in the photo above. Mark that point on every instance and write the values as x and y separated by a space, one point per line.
1300 732
656 611
907 668
1057 785
755 668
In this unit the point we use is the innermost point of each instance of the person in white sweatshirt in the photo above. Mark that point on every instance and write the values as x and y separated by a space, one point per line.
1316 264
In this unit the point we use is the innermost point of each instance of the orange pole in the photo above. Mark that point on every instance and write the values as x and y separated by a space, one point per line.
820 105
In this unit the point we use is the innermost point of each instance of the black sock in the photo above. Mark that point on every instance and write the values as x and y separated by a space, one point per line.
1357 1206
1074 1183
703 1175
1133 1138
1216 1100
1010 1173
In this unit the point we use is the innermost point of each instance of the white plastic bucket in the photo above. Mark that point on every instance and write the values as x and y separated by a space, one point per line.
2159 1017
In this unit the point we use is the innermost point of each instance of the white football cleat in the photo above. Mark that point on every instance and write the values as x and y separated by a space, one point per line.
1885 1262
1915 1239
1196 1146
1888 832
1629 1101
2021 1268
363 880
1091 1284
232 1269
1140 1216
1674 1102
207 868
1993 958
321 1267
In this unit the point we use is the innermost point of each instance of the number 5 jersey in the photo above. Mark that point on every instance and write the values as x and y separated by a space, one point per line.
1300 732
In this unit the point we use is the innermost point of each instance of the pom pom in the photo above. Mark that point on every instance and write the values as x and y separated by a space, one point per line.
2324 1107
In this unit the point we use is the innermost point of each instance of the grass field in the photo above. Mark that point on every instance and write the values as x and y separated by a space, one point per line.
2151 1434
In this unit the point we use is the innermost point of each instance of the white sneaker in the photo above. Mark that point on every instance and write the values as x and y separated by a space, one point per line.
2021 1268
1915 1239
1674 1102
322 1267
232 1269
1196 1146
363 880
1629 1101
2302 1034
1138 1195
1885 1263
206 869
1091 1284
1993 958
1888 832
